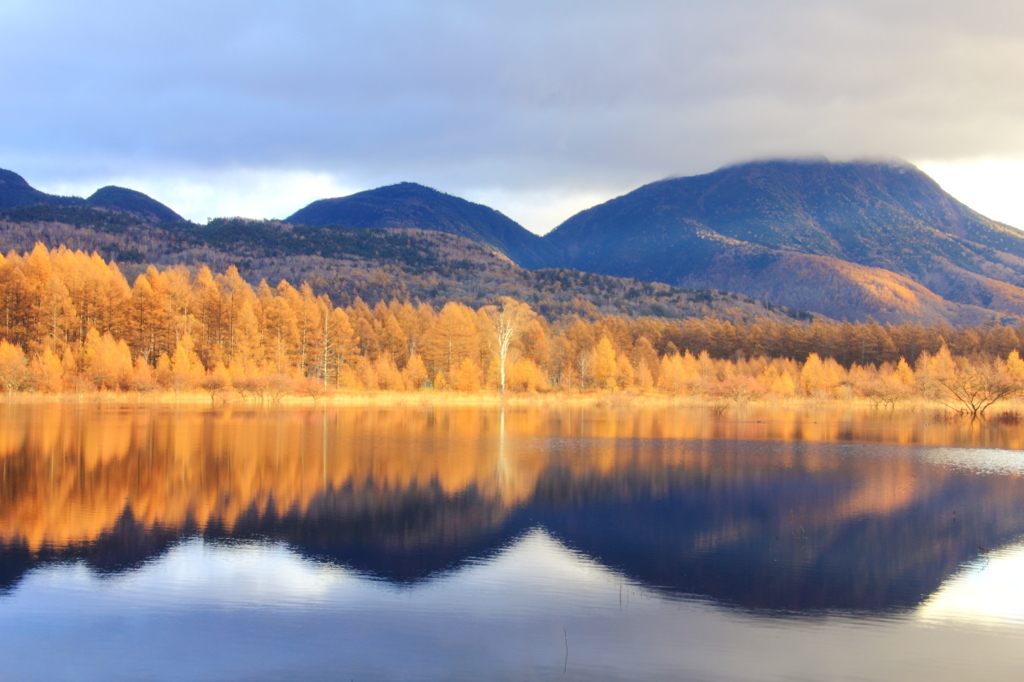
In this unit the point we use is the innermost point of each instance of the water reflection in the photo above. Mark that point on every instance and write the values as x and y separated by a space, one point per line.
986 591
535 610
820 515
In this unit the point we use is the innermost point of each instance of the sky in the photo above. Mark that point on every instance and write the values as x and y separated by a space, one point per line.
538 109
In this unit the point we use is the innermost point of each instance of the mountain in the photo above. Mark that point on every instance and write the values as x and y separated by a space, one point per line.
130 201
15 191
375 265
844 239
408 205
847 240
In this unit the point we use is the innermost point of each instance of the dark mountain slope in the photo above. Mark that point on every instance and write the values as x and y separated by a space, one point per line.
408 205
734 225
15 191
130 201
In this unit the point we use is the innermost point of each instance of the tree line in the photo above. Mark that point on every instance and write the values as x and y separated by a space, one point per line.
71 321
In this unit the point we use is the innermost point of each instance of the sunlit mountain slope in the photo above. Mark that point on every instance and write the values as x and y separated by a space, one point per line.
741 225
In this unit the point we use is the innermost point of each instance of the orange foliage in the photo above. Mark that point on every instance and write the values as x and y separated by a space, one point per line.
71 322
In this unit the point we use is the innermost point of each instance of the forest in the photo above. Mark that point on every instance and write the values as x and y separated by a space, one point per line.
372 264
71 322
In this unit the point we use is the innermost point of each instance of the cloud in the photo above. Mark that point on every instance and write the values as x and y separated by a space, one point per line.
563 100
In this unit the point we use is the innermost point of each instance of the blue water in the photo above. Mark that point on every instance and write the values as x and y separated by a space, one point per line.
559 557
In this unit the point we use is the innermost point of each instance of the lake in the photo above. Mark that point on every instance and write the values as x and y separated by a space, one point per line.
424 543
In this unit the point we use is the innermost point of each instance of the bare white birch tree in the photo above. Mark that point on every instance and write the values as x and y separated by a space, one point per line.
509 321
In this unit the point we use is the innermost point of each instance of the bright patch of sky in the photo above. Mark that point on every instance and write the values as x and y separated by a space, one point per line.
993 187
200 195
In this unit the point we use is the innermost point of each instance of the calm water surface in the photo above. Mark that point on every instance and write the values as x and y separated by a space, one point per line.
156 543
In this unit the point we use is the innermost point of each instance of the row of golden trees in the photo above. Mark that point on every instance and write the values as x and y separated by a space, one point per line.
70 321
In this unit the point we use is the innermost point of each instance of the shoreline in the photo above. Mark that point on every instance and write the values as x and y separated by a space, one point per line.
584 399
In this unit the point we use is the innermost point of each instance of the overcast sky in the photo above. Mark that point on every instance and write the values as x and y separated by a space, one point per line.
538 109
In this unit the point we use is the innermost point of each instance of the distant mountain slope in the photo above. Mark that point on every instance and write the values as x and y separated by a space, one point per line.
846 240
845 289
735 227
373 264
408 205
15 192
130 201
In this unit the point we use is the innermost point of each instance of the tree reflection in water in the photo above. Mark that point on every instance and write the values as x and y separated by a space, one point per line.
782 513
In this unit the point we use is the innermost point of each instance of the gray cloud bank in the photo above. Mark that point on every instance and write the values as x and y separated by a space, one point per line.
529 98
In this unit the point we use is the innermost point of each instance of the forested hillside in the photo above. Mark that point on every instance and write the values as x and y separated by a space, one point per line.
375 265
408 205
843 239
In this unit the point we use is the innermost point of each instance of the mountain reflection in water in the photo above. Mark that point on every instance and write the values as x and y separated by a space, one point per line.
780 513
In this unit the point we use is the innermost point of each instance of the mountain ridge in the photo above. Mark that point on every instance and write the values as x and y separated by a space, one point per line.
855 240
131 201
16 192
411 205
871 215
375 265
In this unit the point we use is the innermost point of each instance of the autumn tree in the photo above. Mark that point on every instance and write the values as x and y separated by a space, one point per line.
106 361
643 354
415 373
143 379
14 300
508 322
280 335
216 382
974 386
391 336
451 339
603 364
212 336
247 348
389 377
643 379
336 344
185 366
525 375
14 374
47 372
466 377
55 316
362 321
150 317
672 375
